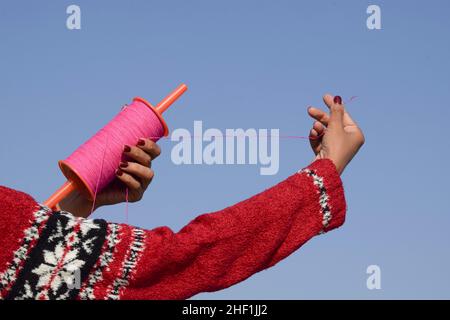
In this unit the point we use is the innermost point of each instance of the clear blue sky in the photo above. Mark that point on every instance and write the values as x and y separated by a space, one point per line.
251 64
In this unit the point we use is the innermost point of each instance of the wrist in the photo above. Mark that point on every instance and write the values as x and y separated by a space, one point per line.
77 204
338 165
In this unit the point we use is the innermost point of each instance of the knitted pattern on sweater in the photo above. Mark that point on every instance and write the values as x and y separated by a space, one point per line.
54 255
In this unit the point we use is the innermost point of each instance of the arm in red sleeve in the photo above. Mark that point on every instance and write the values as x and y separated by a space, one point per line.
219 249
59 256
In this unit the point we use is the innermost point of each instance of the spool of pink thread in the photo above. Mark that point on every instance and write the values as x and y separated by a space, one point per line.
92 166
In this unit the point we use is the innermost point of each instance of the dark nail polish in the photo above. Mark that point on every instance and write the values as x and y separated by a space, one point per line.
126 148
141 142
123 164
119 172
337 99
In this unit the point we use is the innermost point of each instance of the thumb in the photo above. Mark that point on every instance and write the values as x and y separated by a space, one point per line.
336 112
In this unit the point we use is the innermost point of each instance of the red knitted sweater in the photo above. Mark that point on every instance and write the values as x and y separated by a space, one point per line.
54 255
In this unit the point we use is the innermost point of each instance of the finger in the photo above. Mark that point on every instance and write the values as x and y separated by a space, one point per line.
319 128
319 115
336 113
139 172
128 179
150 147
347 120
138 155
315 141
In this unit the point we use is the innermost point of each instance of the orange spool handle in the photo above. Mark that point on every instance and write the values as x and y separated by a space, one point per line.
171 98
60 194
69 186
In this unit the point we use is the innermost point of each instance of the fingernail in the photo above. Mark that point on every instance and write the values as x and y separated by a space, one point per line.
119 172
126 148
141 142
337 99
123 164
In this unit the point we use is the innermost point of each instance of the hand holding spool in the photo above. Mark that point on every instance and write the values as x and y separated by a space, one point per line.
92 166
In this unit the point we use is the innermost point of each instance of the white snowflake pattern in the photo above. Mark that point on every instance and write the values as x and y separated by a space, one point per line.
67 264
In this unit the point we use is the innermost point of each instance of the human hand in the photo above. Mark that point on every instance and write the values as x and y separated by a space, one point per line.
336 136
135 174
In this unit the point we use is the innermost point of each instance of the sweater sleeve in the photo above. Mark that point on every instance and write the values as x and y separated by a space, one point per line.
53 255
219 249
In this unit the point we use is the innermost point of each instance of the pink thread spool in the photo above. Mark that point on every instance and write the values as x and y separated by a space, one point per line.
88 172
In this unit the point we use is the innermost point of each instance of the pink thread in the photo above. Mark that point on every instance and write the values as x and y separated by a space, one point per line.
351 99
101 172
126 205
133 122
